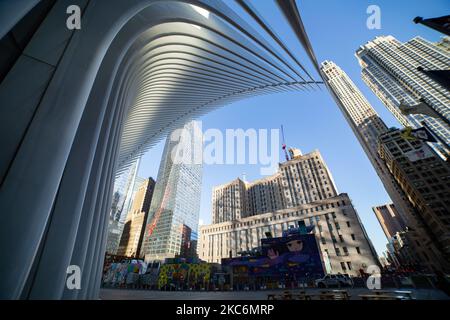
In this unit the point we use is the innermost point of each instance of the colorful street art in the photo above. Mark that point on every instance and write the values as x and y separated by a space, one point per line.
295 255
184 272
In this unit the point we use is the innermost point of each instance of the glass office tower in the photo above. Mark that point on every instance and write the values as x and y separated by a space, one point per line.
176 199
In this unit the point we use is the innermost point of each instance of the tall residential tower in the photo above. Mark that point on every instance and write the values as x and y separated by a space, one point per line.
390 69
368 126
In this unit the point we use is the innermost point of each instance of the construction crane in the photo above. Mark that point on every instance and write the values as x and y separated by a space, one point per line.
152 226
283 146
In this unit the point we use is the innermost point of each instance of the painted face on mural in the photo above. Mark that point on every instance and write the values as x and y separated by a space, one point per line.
295 245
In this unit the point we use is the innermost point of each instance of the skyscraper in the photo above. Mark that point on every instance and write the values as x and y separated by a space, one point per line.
308 197
309 180
444 44
367 126
133 231
115 228
122 198
134 187
228 201
188 248
425 178
390 69
389 219
176 200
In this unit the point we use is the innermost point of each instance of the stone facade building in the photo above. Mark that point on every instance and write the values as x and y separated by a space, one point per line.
133 230
425 178
301 192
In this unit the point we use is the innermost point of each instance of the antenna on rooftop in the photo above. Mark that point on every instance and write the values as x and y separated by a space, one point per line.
283 146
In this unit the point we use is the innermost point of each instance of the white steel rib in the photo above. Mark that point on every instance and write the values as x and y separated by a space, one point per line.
188 68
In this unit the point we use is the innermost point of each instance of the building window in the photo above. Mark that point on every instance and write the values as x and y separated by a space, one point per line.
358 250
344 268
353 236
345 250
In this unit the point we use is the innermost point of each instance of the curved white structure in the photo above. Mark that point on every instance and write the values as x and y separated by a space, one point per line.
77 107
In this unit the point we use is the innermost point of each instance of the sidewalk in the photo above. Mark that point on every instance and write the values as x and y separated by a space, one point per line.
126 294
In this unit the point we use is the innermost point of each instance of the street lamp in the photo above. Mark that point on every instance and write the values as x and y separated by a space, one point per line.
441 24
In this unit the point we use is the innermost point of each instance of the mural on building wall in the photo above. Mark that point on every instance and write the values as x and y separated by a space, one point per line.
184 272
295 255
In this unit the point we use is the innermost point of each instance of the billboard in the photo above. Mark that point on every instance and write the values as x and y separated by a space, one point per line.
295 255
419 154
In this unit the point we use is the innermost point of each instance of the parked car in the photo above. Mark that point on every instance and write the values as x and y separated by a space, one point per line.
334 280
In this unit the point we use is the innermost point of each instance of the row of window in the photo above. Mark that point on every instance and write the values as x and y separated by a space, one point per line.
281 216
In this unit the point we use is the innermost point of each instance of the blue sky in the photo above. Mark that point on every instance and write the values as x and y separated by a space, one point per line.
311 119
